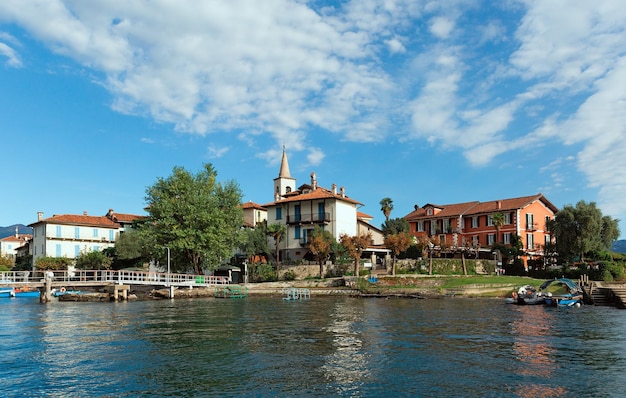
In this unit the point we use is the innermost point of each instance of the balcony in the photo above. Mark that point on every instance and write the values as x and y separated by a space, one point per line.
311 218
531 226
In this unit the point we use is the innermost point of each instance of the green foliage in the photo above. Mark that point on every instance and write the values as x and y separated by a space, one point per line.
395 226
93 260
198 218
289 275
386 206
5 262
581 230
262 273
254 241
277 231
52 263
4 268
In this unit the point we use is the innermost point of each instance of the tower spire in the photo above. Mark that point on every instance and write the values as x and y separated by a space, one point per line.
284 166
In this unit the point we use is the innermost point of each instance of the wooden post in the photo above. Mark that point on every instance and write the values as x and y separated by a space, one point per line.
171 291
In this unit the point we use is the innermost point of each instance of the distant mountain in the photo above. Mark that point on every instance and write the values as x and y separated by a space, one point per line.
10 230
619 246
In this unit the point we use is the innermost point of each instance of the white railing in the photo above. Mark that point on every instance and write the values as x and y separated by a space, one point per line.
90 277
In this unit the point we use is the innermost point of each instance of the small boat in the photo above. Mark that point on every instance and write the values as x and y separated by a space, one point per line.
566 293
63 292
526 295
18 292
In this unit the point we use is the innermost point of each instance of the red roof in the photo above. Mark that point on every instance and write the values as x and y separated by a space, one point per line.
20 238
252 205
318 193
471 208
72 219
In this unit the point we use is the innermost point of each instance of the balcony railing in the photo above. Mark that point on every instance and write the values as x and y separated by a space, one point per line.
531 226
308 218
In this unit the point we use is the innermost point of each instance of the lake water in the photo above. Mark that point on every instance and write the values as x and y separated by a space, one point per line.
327 346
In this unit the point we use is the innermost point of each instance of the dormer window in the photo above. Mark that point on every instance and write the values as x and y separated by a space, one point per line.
429 211
288 189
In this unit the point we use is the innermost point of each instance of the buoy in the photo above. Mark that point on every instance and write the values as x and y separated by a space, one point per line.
62 290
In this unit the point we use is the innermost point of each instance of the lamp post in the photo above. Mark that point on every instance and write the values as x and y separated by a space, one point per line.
167 278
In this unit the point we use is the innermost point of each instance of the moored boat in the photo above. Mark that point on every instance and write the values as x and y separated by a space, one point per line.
562 292
526 295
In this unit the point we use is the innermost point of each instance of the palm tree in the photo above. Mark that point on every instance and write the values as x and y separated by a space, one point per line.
498 221
386 205
277 231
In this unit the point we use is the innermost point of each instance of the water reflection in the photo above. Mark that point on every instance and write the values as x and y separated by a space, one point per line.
532 330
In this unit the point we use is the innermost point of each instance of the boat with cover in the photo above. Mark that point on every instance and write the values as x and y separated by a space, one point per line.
526 295
18 292
562 292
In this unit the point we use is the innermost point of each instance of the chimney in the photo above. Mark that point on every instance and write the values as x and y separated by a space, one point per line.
416 207
499 204
342 191
39 215
110 213
84 212
313 181
16 234
333 187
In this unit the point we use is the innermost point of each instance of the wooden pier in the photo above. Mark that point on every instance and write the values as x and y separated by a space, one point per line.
117 283
604 293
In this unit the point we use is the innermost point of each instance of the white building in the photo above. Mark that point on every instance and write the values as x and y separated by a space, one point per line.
301 210
67 235
10 245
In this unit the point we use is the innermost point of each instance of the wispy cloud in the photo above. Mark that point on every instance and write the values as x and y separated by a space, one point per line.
215 153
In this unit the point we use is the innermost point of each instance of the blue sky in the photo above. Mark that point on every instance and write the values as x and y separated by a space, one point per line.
419 101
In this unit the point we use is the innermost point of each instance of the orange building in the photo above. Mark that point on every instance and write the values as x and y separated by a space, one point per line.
471 224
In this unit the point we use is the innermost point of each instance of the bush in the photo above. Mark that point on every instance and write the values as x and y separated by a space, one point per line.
53 263
93 260
263 273
289 275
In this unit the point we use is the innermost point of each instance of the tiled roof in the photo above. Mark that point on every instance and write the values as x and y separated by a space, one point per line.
363 216
319 193
72 219
252 205
126 218
19 238
470 208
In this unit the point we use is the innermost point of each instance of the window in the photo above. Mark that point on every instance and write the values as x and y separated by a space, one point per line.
475 222
297 232
446 226
111 235
95 232
429 212
507 238
442 239
529 222
419 227
58 231
76 250
279 213
491 239
58 250
320 211
507 218
96 248
530 241
547 239
433 227
475 240
490 220
77 232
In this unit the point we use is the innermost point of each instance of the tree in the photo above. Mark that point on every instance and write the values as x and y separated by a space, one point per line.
255 242
132 248
498 221
93 260
355 245
581 230
397 243
196 217
395 226
386 205
320 245
277 231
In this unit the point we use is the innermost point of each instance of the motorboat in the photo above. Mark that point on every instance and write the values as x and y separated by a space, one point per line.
562 292
526 295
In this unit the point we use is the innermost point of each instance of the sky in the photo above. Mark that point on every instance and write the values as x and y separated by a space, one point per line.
419 101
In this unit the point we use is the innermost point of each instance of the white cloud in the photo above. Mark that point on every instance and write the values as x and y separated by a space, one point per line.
13 59
441 27
315 156
215 153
